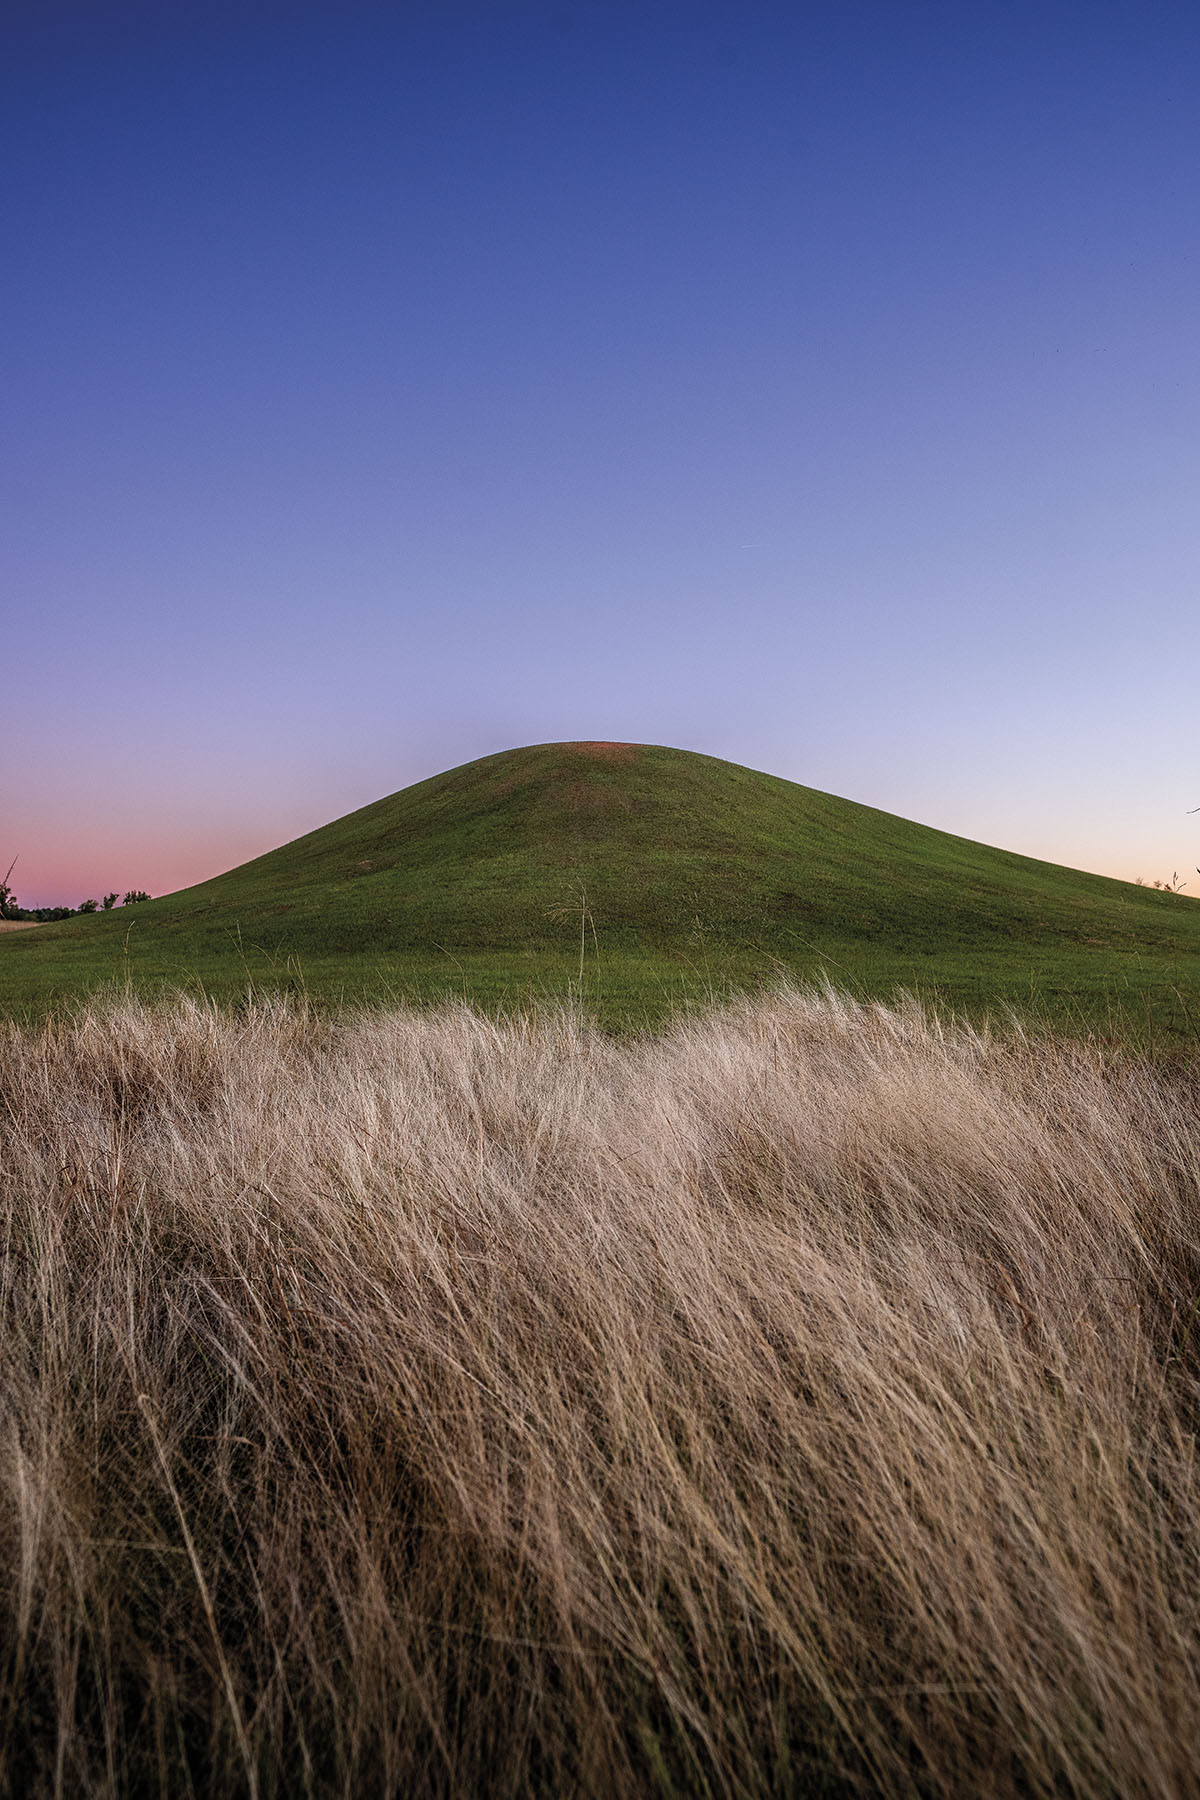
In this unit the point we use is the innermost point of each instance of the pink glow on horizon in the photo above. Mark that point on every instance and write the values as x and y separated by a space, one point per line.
93 868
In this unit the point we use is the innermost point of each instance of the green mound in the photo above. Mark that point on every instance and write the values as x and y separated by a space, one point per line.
649 877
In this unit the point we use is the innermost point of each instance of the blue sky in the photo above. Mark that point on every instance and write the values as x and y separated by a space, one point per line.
813 386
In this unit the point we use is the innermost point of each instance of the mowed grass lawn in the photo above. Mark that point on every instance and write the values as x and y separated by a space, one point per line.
644 880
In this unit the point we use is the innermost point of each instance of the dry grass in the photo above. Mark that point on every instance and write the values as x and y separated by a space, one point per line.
802 1402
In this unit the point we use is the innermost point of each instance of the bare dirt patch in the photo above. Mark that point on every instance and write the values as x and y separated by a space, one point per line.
607 752
18 924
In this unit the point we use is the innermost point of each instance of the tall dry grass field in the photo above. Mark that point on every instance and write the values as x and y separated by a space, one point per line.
800 1403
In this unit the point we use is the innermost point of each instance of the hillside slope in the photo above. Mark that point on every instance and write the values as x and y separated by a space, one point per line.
679 867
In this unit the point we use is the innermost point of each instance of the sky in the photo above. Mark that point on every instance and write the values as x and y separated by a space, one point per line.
815 386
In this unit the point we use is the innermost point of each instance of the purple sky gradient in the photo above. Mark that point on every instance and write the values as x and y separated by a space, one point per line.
818 387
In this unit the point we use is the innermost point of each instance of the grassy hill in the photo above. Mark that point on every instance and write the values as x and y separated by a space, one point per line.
667 875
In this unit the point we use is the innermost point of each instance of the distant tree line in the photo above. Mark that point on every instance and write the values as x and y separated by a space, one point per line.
10 909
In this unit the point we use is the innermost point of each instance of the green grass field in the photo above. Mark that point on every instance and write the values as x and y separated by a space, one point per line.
667 877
